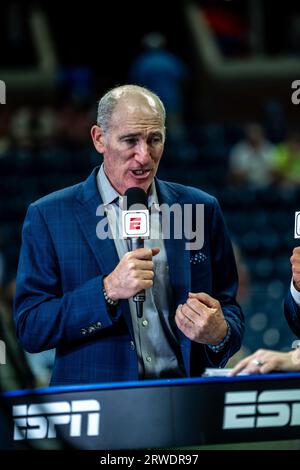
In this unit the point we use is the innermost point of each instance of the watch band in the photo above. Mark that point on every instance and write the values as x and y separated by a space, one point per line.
111 302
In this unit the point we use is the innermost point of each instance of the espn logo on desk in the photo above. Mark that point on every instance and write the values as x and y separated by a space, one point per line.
40 420
135 224
266 409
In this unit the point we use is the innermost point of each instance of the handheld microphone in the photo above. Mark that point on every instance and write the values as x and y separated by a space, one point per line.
135 224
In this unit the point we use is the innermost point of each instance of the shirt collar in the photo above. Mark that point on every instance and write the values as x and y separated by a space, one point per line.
110 195
106 190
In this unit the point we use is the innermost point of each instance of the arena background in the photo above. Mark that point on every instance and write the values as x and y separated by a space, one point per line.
241 59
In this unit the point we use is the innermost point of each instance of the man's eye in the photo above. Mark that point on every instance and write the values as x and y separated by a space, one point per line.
156 140
131 141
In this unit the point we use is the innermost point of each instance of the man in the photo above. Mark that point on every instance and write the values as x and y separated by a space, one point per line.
292 300
74 288
263 361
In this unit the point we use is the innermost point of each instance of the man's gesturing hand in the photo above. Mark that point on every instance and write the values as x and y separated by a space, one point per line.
295 262
201 319
133 273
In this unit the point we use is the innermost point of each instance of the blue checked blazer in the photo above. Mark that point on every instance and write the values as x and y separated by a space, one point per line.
59 301
292 314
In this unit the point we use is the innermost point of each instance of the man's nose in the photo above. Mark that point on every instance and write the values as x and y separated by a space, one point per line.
142 154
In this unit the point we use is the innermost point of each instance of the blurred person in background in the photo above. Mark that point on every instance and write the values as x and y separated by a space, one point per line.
166 74
286 161
21 370
15 372
250 160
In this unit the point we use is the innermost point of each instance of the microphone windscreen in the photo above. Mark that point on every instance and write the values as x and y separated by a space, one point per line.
135 196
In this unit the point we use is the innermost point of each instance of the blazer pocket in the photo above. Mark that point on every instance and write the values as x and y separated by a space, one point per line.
200 272
197 257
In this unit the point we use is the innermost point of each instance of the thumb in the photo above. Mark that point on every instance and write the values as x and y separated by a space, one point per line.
155 251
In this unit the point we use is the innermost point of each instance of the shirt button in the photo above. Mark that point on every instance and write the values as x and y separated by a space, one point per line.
145 322
148 359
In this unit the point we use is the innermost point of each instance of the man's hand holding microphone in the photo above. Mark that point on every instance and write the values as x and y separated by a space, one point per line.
133 273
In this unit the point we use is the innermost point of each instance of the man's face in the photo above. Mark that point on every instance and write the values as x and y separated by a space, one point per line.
134 143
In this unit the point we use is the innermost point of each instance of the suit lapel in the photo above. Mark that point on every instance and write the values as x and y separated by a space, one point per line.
89 213
179 265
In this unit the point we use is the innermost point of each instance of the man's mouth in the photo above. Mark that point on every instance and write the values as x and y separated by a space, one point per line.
141 173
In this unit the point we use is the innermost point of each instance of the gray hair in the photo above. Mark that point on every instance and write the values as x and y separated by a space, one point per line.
109 101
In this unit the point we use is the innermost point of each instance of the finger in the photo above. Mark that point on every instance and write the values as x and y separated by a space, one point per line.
295 256
252 370
295 358
184 324
198 307
245 362
296 268
144 253
179 320
145 275
240 366
296 251
145 284
142 265
296 278
267 367
205 298
182 317
189 313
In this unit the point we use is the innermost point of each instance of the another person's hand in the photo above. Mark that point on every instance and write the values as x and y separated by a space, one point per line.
295 262
265 360
201 319
133 273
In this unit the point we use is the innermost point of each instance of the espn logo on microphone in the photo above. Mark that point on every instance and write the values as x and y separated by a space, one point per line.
135 224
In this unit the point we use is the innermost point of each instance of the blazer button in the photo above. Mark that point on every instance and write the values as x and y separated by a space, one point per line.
91 329
83 331
132 346
99 324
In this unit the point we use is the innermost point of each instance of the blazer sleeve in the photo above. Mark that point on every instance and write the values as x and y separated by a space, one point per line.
45 317
292 314
225 284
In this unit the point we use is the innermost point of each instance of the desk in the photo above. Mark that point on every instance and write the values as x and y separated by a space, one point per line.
153 414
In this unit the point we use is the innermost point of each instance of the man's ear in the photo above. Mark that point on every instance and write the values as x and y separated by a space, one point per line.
98 138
